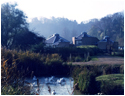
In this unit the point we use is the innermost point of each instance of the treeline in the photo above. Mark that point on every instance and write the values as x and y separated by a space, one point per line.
110 25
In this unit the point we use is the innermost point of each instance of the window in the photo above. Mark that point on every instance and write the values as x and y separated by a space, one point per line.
78 42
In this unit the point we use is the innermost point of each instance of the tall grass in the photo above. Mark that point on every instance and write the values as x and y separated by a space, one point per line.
87 83
38 64
12 79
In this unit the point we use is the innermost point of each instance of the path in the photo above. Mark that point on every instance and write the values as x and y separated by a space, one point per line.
103 60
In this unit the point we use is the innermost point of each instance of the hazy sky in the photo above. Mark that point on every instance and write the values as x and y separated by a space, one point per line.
79 10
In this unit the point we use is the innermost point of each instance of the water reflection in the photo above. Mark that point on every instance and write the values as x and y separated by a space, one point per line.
60 89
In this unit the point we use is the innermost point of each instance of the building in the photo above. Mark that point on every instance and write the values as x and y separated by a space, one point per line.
57 41
107 44
84 39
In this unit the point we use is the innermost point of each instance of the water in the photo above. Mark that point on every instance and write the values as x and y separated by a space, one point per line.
60 89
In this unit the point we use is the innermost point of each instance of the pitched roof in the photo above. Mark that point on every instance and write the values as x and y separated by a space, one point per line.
83 34
55 39
106 39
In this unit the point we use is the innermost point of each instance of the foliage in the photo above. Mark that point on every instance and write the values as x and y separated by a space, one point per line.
93 50
26 43
78 59
69 54
14 29
94 58
13 21
122 69
11 78
87 46
119 53
111 25
19 90
38 48
112 84
87 82
112 69
35 63
81 74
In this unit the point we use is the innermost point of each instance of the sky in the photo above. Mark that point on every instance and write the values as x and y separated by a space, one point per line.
79 10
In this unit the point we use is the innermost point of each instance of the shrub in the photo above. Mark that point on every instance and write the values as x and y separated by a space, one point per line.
112 84
38 48
115 69
18 90
35 63
78 59
122 69
12 80
107 70
87 82
110 88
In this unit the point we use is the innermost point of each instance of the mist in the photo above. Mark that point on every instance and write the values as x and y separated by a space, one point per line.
66 28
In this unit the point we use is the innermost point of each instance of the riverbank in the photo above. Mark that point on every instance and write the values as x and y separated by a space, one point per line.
85 75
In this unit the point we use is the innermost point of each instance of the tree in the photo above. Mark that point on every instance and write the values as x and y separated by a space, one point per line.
13 21
25 40
112 26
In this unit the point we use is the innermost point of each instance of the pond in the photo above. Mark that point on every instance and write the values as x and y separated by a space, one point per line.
65 88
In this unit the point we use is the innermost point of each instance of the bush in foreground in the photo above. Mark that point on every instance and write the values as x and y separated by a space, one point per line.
112 84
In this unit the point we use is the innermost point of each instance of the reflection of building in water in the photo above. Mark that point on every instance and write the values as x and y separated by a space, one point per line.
84 39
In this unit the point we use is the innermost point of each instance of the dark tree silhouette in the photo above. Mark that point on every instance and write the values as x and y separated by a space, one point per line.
13 21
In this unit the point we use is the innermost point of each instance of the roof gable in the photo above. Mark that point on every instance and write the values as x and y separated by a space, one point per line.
106 39
83 34
56 38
